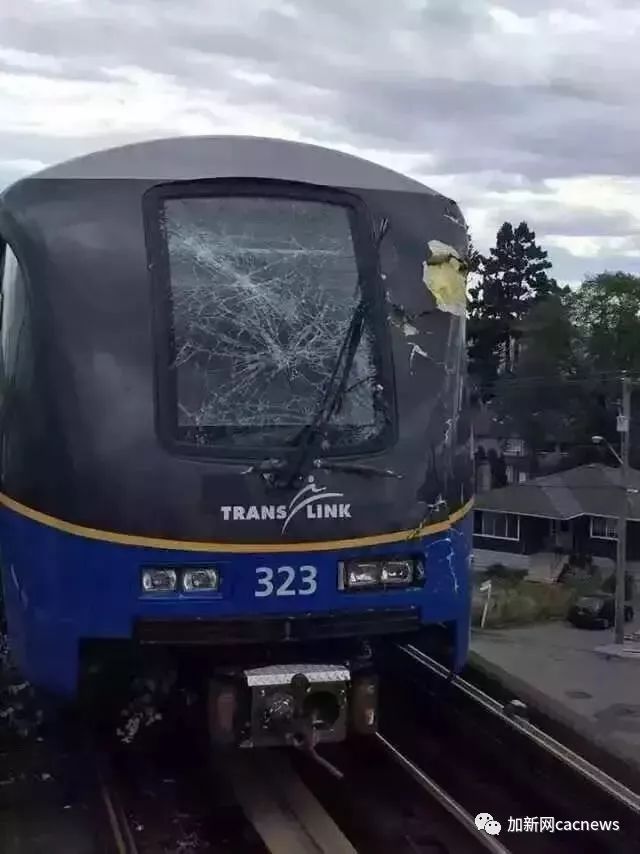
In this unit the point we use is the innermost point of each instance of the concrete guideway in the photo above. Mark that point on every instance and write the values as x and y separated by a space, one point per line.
537 772
285 813
630 648
571 676
437 793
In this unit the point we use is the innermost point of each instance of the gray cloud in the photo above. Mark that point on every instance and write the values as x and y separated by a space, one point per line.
570 268
559 126
437 79
586 223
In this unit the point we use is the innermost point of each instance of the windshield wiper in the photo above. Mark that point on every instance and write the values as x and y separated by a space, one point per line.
355 468
275 466
308 438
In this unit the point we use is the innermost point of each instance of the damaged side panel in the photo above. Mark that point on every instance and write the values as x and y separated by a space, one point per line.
426 297
444 276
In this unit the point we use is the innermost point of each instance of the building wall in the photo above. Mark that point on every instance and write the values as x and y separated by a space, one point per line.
534 537
497 545
535 534
513 453
534 550
483 476
633 541
608 548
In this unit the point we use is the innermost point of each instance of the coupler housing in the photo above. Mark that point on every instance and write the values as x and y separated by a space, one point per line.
300 705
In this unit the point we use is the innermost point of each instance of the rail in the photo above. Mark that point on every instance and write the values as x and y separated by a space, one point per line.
603 781
456 810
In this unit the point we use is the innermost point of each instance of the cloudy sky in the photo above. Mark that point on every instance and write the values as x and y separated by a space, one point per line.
520 109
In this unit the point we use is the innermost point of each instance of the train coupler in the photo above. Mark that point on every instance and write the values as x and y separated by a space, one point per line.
297 705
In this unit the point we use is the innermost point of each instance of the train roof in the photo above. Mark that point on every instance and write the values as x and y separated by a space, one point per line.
202 157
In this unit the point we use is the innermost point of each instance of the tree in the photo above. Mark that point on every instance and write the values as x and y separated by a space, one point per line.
474 258
498 469
556 393
607 311
543 398
511 279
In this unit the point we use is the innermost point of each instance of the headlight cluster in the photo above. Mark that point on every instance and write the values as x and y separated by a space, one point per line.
194 580
380 574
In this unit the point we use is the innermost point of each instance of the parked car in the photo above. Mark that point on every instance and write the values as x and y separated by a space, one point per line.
596 611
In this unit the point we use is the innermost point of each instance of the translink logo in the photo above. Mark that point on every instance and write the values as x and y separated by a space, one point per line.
311 499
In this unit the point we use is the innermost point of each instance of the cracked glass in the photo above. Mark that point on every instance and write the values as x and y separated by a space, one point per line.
263 291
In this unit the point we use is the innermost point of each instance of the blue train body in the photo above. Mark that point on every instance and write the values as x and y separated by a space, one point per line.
61 588
234 418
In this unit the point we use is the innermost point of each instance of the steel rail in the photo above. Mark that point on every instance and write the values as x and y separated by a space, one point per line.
462 817
586 769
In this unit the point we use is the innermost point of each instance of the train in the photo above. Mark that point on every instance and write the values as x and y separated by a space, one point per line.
235 422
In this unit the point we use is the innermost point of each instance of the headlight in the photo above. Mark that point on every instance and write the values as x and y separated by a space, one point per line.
166 580
159 580
368 574
194 580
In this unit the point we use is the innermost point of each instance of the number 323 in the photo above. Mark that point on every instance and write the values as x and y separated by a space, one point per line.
285 581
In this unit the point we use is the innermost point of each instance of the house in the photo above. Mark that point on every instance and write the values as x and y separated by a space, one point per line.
501 454
537 524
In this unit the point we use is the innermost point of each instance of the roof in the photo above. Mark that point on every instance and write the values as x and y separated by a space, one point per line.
589 490
199 157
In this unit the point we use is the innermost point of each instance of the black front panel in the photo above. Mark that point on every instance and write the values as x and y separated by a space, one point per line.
228 632
148 438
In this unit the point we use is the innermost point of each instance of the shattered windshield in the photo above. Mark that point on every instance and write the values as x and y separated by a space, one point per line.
263 290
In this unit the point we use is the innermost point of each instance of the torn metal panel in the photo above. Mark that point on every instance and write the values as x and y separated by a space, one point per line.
429 335
443 274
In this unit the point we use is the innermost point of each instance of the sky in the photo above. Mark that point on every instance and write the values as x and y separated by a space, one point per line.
524 109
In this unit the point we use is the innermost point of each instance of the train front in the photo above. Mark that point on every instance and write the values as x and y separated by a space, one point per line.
266 437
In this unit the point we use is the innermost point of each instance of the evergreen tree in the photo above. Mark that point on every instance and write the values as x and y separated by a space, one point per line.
511 279
474 258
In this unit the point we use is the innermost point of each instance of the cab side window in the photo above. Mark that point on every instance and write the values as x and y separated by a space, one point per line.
15 359
12 311
3 257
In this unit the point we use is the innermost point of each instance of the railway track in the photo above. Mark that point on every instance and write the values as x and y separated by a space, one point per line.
445 753
452 807
513 716
504 764
285 806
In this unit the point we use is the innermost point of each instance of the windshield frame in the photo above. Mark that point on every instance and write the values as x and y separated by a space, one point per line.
165 376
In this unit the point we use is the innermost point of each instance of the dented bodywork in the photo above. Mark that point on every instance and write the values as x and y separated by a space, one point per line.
444 276
242 360
253 289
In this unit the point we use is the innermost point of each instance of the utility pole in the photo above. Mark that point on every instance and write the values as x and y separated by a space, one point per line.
623 424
